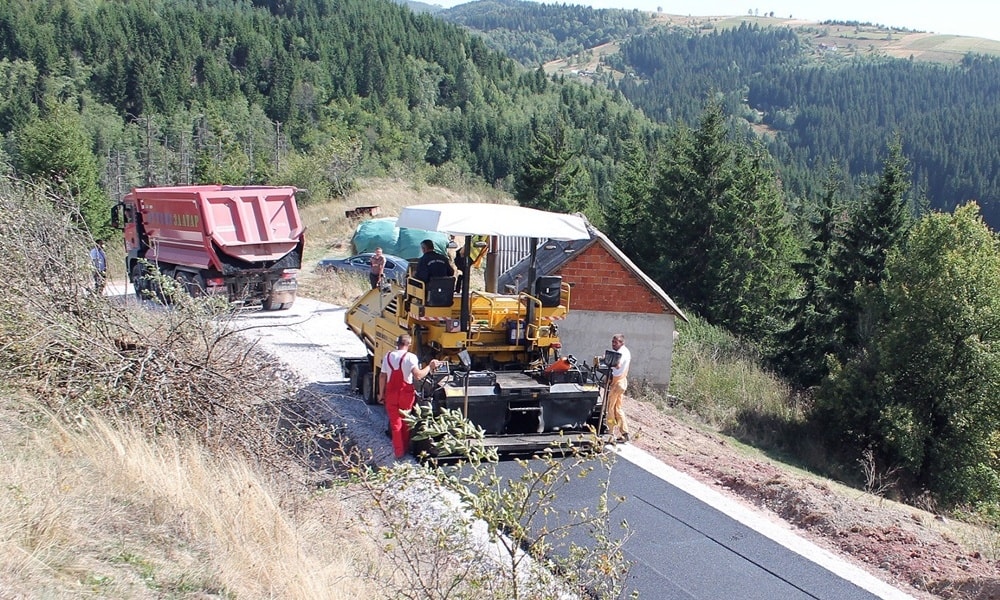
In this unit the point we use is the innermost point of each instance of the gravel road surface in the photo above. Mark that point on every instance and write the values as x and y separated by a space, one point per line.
310 338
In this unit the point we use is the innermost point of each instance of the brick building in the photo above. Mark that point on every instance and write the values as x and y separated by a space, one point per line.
609 295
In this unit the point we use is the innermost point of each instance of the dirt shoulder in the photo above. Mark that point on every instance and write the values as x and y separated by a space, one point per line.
921 553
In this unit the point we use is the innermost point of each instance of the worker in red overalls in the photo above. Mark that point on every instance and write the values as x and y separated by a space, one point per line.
400 368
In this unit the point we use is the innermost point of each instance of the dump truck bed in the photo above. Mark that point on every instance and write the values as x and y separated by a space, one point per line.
205 225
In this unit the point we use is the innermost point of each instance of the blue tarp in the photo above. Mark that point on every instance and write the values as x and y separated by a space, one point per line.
402 242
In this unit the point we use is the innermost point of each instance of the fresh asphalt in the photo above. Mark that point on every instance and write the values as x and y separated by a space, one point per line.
695 544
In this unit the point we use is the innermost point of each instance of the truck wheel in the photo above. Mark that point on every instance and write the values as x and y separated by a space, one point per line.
161 294
367 391
139 280
183 282
269 305
190 284
196 287
356 375
354 378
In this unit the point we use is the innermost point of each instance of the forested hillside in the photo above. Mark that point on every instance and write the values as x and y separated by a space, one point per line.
304 92
839 111
815 107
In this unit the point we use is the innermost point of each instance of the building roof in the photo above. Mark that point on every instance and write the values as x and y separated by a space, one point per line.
553 254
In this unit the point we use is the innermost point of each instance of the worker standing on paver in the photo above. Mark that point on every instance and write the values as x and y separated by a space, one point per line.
377 268
432 263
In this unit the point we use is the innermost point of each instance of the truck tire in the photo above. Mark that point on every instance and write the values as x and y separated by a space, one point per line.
268 304
367 389
183 282
139 280
161 294
276 306
354 378
188 282
197 288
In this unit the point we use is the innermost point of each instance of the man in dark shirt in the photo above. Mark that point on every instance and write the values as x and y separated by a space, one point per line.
461 264
432 264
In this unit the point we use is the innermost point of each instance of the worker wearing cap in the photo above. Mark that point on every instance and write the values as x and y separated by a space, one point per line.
400 369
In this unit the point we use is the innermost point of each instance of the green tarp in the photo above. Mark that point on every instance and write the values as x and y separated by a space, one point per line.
402 242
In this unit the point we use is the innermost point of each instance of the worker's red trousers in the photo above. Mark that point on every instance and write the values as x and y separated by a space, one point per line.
399 396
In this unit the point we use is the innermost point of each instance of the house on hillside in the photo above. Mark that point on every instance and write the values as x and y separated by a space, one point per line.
609 295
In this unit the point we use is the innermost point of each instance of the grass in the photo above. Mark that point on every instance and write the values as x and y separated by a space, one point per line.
91 509
718 378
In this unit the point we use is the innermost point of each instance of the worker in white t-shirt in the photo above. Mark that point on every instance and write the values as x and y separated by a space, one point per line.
400 369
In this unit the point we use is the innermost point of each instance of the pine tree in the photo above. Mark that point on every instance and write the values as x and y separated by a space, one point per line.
55 149
811 336
626 214
877 225
551 178
722 233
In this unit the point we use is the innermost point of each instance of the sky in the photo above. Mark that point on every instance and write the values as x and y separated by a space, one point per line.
980 18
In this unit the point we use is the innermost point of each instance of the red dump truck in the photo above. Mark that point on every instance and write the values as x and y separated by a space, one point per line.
241 242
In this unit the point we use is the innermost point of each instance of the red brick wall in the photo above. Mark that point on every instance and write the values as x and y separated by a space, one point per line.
602 283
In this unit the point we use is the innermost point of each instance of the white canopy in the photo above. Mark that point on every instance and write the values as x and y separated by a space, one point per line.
493 219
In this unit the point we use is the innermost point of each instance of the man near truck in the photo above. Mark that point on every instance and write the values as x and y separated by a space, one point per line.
99 260
400 369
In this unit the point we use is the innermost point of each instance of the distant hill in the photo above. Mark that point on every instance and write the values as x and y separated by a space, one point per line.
531 31
534 33
852 37
419 7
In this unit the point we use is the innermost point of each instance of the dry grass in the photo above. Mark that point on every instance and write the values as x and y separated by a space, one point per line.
94 510
340 289
146 452
716 377
179 371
